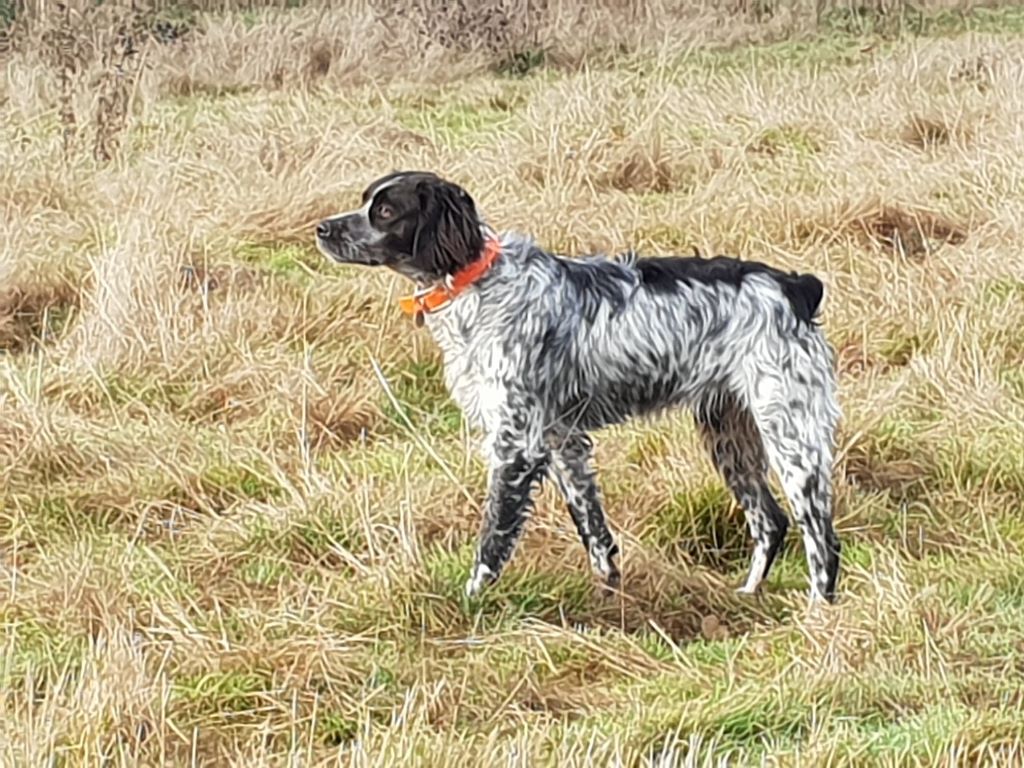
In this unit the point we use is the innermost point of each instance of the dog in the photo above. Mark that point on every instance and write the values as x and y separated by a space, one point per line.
540 350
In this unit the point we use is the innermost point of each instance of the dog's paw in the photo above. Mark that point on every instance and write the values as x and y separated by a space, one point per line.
603 563
613 580
818 598
481 577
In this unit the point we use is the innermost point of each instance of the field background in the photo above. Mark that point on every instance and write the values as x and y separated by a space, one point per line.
225 540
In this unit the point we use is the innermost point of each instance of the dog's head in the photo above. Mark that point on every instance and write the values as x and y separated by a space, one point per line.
413 222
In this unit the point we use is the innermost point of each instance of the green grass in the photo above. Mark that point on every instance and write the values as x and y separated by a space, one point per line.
520 595
285 260
423 399
222 692
310 537
703 523
1005 289
148 392
458 124
845 34
834 50
335 730
37 650
232 480
787 138
900 350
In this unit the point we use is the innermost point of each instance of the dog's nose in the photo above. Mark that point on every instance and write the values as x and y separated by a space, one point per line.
323 230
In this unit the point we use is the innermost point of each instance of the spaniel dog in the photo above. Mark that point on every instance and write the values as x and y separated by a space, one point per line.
540 349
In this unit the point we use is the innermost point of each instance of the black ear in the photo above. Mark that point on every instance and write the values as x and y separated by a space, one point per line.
448 234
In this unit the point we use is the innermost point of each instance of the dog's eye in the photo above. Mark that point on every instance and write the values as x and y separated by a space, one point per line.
385 211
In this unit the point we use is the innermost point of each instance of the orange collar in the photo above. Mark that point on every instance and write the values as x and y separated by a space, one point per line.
439 296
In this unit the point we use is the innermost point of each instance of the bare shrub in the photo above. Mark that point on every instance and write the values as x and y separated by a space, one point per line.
66 54
92 51
120 62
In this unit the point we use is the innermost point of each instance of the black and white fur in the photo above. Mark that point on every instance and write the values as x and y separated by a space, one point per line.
544 349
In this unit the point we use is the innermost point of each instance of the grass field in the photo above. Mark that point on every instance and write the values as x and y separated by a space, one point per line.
221 540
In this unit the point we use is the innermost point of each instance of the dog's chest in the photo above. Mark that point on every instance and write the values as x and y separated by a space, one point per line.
469 370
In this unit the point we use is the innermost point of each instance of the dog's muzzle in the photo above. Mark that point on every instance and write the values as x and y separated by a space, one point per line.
345 239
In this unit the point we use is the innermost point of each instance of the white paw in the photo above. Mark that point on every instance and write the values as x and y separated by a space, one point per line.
481 576
600 561
816 598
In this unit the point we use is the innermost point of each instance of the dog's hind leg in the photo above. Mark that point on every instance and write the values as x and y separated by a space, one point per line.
732 438
805 472
796 412
571 455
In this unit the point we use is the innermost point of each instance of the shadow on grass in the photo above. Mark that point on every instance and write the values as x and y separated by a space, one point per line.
654 595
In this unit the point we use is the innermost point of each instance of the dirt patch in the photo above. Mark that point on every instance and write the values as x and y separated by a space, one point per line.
853 359
708 609
229 401
907 232
899 476
532 173
640 174
34 314
899 348
627 164
646 172
336 421
321 57
403 139
931 132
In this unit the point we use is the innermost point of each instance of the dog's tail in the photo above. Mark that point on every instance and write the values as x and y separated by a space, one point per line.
804 293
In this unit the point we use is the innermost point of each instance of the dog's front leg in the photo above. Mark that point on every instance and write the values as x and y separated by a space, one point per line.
517 464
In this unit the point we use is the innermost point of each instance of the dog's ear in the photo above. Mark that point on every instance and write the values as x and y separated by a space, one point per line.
448 234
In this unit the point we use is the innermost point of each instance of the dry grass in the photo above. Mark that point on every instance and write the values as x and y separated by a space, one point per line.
221 543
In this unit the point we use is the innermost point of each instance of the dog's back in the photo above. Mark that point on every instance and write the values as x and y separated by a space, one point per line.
605 339
803 291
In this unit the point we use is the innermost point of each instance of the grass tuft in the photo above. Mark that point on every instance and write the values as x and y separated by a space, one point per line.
702 524
35 314
420 390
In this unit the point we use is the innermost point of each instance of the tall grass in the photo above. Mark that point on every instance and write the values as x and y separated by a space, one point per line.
223 541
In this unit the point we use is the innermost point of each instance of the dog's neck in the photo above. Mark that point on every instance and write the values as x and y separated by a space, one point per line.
435 296
489 236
